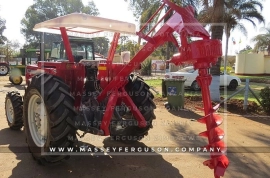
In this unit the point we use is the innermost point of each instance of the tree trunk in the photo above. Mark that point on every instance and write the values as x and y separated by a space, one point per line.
226 51
206 4
217 33
139 41
168 51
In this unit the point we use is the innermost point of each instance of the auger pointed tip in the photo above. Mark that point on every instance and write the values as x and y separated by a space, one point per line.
220 170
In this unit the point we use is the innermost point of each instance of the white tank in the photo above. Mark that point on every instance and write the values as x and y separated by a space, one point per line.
249 64
125 56
267 64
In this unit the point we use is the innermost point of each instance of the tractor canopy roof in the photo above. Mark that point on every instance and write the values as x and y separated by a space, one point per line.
80 24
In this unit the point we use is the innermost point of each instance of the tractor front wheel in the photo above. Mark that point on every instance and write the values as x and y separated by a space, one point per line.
14 110
16 80
48 116
142 97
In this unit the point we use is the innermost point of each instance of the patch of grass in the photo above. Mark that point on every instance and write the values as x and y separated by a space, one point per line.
256 87
253 78
154 82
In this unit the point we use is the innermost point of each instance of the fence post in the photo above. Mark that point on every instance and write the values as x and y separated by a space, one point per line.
246 94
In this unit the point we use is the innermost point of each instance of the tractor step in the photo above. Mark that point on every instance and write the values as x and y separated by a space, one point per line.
92 130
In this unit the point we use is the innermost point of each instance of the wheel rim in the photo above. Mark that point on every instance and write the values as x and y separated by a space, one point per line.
37 120
196 86
16 80
9 111
3 69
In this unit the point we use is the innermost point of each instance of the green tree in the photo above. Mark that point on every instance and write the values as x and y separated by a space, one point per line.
147 10
143 10
2 28
140 6
10 49
43 10
247 49
161 52
129 45
101 45
262 41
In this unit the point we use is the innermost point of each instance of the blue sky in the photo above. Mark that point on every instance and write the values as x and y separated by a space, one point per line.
13 11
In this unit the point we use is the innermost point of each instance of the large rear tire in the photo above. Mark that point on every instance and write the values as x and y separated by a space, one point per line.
140 94
14 110
48 117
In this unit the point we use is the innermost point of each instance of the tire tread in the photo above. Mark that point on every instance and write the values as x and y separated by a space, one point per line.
17 104
58 103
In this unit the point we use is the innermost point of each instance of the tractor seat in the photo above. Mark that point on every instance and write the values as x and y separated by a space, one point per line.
77 58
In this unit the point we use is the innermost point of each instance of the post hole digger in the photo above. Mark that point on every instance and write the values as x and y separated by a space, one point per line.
62 95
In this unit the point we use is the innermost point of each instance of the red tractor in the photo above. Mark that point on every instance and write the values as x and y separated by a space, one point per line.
79 92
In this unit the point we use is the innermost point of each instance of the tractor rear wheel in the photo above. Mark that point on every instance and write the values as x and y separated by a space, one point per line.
48 117
14 110
140 94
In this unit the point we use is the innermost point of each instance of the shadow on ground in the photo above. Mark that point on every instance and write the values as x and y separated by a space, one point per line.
257 118
185 113
19 87
243 162
86 166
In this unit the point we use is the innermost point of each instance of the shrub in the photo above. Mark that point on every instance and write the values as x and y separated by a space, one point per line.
265 99
146 67
228 69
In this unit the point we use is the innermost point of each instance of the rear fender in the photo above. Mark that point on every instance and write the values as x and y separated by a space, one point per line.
108 73
71 73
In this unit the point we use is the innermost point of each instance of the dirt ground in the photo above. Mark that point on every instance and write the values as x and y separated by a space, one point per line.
247 138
